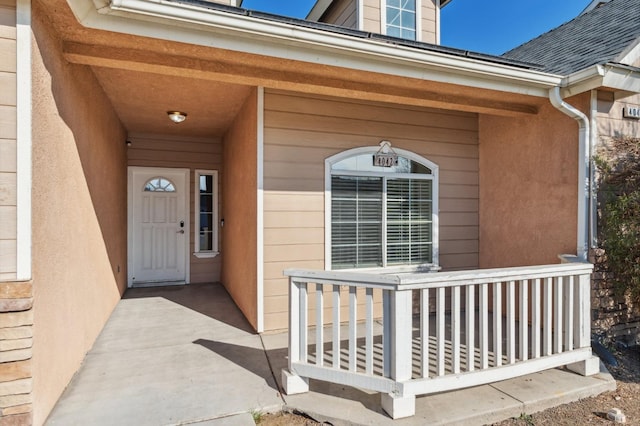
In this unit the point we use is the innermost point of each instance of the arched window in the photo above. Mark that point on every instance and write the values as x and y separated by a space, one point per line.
159 184
383 208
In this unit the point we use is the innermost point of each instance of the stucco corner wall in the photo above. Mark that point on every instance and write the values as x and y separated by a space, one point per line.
79 214
239 209
528 187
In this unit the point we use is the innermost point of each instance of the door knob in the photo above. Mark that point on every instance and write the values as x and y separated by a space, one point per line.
180 231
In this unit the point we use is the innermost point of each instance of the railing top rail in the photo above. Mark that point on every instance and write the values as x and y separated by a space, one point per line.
438 279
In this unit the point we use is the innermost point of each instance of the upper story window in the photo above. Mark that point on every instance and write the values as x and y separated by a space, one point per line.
401 18
381 215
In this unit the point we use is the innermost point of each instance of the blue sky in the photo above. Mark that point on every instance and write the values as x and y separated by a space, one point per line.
482 26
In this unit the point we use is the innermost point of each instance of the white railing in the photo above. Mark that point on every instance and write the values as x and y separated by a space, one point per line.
413 334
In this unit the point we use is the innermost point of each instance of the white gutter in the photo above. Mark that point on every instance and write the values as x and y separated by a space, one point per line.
193 24
584 160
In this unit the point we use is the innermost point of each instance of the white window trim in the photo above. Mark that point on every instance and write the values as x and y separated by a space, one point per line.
329 162
383 18
203 254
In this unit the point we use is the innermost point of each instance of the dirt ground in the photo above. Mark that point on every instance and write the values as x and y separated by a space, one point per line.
586 411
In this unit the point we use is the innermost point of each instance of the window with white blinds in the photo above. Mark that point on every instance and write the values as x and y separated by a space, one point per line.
382 216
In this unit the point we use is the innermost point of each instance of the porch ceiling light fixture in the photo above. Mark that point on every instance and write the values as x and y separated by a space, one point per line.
177 116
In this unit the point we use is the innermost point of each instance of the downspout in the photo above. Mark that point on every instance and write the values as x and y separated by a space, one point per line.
584 159
593 196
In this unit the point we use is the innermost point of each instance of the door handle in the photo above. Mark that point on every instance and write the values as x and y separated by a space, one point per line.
180 231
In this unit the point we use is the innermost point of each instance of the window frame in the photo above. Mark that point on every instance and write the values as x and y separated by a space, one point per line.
197 252
384 24
434 177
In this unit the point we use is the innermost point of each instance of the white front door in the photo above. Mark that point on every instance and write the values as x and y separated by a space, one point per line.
158 225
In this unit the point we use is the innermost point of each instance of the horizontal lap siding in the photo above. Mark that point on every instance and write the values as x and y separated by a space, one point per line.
371 16
301 132
342 13
428 21
8 177
192 154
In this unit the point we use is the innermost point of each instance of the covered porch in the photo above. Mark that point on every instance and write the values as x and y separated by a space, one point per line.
178 355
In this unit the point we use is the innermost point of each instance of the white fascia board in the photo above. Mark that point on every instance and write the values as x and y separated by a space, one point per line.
624 80
194 25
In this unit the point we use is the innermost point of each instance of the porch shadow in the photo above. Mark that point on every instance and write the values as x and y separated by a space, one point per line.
210 299
251 359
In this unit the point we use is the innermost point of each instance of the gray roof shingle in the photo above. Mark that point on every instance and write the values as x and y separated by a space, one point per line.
596 37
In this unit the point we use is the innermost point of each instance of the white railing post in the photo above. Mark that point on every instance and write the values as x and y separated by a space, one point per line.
398 404
291 382
582 326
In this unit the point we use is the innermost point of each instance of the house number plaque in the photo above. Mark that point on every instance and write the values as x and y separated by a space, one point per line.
386 156
631 112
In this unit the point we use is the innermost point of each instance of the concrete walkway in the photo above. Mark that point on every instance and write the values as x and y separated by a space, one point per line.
184 355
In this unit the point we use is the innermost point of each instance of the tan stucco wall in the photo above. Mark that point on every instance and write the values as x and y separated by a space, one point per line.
189 153
239 209
79 214
301 131
7 140
528 187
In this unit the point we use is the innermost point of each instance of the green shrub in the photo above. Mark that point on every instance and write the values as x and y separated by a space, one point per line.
620 214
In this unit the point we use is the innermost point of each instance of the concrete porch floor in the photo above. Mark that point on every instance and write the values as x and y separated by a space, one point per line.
185 355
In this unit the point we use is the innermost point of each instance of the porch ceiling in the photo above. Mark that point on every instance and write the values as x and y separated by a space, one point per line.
142 100
158 71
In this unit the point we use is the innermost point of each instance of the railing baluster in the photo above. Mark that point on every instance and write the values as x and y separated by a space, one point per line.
304 321
369 332
295 330
484 326
336 326
547 347
319 324
535 318
470 327
511 322
440 336
568 313
424 332
524 320
386 333
455 329
557 314
353 331
497 324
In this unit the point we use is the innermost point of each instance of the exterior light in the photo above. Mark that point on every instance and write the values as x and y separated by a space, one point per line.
177 116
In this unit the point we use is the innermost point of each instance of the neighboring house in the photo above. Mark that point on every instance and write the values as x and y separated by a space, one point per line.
271 169
597 50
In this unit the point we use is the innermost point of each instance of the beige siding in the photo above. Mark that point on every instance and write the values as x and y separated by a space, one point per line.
343 13
188 153
371 16
301 132
428 21
239 210
610 119
7 140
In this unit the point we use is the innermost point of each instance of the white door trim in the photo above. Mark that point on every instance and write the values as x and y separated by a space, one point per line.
187 184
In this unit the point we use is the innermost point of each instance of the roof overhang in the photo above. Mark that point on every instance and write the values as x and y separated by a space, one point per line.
193 23
623 80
